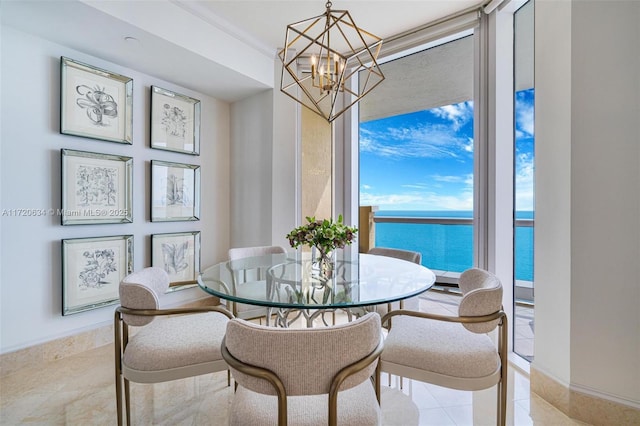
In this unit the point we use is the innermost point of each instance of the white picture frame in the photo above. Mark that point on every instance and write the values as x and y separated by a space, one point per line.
92 269
96 188
175 122
95 103
179 255
175 191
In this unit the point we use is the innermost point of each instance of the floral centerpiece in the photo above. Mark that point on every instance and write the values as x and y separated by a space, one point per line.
326 236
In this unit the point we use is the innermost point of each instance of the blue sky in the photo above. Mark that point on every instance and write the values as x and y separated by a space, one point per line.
424 160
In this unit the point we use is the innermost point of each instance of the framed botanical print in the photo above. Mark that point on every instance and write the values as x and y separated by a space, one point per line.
179 255
92 269
96 188
95 103
175 121
175 191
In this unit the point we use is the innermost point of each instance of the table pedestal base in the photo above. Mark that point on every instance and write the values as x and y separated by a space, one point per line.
285 317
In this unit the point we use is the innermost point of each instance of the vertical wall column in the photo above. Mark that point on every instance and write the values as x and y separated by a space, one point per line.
587 207
317 166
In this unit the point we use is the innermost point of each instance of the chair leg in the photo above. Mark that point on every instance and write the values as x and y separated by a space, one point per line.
228 377
502 404
119 398
127 401
377 381
504 365
502 400
117 343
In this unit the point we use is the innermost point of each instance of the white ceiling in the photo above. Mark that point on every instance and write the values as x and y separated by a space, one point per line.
99 29
266 20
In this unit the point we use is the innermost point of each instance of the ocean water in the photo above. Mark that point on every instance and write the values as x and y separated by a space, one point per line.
450 247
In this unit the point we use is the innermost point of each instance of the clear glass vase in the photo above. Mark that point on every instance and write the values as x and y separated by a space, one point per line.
322 264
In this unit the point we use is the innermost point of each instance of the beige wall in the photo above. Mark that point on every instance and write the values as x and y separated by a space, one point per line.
317 166
587 200
31 260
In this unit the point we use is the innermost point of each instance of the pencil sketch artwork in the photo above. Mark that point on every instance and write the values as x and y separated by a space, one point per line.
174 121
96 186
99 264
174 257
100 106
178 192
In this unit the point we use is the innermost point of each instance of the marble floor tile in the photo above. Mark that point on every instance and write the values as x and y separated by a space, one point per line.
79 390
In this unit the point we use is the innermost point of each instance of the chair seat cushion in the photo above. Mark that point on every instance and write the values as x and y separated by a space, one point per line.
356 406
176 341
444 348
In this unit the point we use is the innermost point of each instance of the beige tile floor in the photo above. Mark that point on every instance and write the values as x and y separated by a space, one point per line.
79 390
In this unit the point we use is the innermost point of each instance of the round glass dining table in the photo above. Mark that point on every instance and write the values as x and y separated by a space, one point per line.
292 284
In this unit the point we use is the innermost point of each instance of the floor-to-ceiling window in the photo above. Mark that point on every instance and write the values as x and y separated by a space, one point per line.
524 95
450 158
417 155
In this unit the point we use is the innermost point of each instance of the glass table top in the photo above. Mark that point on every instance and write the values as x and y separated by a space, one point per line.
292 280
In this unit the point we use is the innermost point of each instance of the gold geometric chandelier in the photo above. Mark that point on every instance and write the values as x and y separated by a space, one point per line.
321 57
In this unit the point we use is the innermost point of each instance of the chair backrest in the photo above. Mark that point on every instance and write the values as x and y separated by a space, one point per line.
141 290
482 295
410 256
242 252
306 360
250 264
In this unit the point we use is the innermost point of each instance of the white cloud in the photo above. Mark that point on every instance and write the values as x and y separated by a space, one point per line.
469 145
418 201
415 186
466 179
368 199
435 141
458 114
524 117
423 140
469 180
525 175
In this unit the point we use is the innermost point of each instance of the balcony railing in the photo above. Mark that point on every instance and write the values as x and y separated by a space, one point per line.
368 222
441 220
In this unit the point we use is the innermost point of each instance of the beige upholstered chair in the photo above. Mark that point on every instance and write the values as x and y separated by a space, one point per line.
311 376
249 277
454 351
410 256
170 343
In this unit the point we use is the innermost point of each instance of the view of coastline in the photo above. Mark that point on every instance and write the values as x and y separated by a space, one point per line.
449 247
421 164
